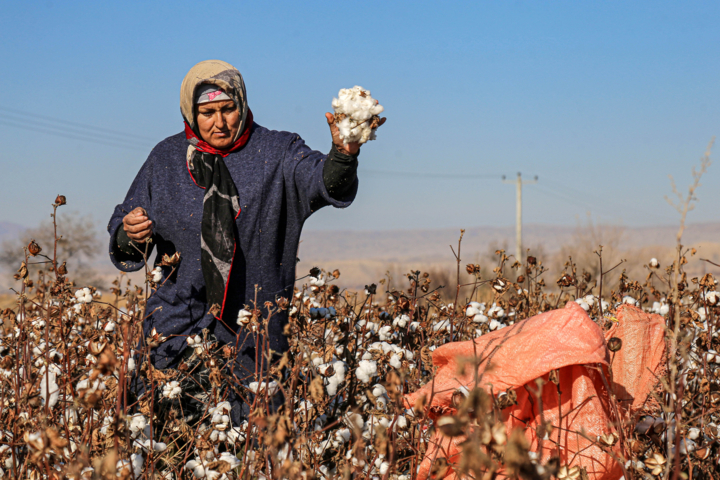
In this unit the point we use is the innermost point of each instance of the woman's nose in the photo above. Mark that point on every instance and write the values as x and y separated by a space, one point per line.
219 120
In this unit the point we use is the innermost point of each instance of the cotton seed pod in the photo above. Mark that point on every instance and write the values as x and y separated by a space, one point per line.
457 399
531 260
33 248
500 285
703 452
169 261
62 269
655 463
521 279
96 348
22 271
568 473
451 426
566 280
60 200
614 344
609 439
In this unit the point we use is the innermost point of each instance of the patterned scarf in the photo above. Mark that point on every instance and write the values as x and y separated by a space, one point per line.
207 169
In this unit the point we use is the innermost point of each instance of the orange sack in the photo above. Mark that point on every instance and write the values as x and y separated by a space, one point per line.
566 340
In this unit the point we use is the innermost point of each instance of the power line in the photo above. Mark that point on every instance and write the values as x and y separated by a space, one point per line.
129 146
458 176
65 123
90 136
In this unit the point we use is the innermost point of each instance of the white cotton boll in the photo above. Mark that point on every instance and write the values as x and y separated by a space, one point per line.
366 370
712 297
244 317
693 433
110 326
255 387
471 311
480 318
401 321
629 300
384 467
157 274
385 333
49 385
395 361
654 263
194 340
343 435
379 390
196 467
230 459
401 422
583 304
84 295
442 325
356 113
494 324
137 423
664 310
332 386
171 389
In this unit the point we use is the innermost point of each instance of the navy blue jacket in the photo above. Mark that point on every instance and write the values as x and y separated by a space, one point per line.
280 184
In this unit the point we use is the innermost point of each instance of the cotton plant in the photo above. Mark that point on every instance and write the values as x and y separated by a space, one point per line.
356 114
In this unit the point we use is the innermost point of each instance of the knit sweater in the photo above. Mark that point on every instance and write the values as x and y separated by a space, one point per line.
280 184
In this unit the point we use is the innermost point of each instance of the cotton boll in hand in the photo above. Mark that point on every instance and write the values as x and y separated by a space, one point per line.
356 114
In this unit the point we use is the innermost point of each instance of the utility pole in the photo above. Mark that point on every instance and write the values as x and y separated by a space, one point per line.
518 212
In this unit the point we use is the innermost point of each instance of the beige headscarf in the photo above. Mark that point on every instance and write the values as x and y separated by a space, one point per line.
215 72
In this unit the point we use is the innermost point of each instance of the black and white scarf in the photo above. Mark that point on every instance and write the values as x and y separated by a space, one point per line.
218 240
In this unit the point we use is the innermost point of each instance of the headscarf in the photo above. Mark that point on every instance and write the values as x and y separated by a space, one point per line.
207 169
229 80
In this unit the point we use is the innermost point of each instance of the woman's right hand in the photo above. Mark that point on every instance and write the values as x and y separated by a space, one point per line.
137 225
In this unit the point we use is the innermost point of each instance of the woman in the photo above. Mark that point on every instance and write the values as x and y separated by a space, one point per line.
231 198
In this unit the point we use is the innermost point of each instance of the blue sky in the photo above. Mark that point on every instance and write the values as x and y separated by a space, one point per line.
601 100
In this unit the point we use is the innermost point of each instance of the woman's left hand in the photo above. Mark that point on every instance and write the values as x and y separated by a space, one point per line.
346 148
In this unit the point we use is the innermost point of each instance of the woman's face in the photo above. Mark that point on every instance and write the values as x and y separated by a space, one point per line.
218 123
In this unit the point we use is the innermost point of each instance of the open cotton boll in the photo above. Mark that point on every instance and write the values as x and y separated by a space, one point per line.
356 114
157 275
272 387
84 295
244 317
480 318
171 389
366 370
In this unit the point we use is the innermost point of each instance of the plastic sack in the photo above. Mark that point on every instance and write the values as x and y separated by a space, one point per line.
569 341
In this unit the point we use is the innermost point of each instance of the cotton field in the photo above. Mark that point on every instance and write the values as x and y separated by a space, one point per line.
333 406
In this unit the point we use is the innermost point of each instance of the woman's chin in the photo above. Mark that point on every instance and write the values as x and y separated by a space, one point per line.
220 144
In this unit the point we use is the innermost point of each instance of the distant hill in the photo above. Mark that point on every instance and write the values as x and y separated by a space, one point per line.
396 245
364 256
